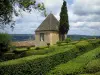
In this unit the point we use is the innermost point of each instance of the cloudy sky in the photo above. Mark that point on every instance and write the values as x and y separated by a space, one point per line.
84 17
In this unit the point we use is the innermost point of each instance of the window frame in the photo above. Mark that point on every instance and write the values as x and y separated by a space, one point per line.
41 36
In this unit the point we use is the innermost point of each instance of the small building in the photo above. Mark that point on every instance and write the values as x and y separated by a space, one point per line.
47 32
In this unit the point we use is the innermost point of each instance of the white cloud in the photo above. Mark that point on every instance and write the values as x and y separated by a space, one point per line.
84 17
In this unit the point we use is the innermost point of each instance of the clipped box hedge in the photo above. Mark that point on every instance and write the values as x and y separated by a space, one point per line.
93 66
77 65
37 65
94 42
84 45
41 64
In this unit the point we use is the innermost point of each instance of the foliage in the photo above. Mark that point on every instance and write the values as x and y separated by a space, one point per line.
93 66
36 65
64 24
37 48
97 73
94 43
28 48
4 42
83 38
48 44
84 45
39 52
41 63
8 8
7 56
68 40
59 43
76 65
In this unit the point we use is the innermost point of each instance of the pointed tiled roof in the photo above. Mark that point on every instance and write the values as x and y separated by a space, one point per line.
49 24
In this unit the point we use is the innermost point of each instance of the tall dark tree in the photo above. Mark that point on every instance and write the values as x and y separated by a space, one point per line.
7 9
64 22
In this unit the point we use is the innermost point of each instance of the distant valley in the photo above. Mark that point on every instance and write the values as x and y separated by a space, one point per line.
25 37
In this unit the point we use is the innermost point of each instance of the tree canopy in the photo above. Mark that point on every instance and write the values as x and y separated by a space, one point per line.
7 9
64 22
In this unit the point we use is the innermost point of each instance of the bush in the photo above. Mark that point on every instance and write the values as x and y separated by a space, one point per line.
12 48
39 52
28 48
48 44
83 38
76 65
68 40
42 64
59 43
84 45
38 65
4 42
37 48
93 66
7 56
94 43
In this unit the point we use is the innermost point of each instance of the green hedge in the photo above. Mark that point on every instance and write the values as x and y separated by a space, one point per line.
94 42
4 42
97 73
75 66
7 56
41 64
93 66
84 45
39 52
37 65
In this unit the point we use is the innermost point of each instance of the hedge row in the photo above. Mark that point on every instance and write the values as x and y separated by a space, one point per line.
93 66
76 66
41 64
97 73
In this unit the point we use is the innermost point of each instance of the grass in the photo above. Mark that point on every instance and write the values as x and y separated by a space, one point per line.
76 65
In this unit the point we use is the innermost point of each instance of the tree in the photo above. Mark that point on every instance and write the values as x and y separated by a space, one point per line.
64 23
5 40
7 9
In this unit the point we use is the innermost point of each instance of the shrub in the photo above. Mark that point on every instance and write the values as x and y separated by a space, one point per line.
76 65
59 43
93 66
4 42
28 48
40 52
41 64
38 65
12 48
37 48
94 43
7 56
84 45
48 44
67 40
83 38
